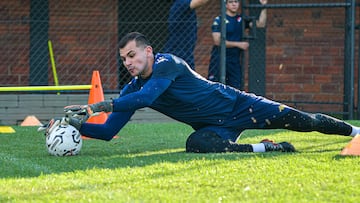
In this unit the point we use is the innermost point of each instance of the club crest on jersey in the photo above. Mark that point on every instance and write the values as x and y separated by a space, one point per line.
216 21
239 19
161 59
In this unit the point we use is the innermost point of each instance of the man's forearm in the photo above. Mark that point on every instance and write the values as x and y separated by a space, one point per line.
262 19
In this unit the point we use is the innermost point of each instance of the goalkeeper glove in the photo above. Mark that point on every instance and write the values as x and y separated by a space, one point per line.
52 124
89 110
77 121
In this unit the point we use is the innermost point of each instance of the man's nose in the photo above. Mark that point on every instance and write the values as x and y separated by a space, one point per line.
127 62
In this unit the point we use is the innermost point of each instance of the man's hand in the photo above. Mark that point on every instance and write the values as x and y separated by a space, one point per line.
78 110
88 110
263 2
52 124
77 121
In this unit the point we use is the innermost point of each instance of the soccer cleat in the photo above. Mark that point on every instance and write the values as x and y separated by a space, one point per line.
271 146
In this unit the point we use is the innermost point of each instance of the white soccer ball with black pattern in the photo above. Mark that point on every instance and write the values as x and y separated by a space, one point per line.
64 140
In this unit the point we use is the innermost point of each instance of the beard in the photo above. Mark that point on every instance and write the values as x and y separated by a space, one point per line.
143 73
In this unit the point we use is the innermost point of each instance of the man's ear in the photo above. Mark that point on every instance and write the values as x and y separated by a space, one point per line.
149 50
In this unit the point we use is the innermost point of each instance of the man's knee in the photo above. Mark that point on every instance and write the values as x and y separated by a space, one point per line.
204 142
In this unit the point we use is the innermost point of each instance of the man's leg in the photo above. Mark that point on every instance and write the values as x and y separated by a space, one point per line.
205 141
234 73
213 73
306 122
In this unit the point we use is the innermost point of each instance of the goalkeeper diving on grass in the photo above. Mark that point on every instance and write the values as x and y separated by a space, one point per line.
217 113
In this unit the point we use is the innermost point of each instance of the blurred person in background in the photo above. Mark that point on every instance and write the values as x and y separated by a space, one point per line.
182 29
234 43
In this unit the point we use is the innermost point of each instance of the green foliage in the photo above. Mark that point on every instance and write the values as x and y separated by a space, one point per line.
148 163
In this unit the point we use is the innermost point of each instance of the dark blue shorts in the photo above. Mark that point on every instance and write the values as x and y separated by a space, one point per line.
260 113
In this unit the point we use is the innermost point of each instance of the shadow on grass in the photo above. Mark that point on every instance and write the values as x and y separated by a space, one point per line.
322 147
341 157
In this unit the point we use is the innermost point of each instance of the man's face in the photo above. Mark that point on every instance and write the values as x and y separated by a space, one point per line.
232 5
135 59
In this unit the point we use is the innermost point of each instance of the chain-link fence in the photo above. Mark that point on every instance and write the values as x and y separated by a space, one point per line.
298 57
309 57
84 36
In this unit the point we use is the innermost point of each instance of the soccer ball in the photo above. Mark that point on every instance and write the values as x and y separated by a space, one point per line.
64 140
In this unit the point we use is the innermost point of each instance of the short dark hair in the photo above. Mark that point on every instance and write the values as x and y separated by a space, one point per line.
139 38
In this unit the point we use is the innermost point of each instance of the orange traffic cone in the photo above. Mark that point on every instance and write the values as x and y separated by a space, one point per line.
353 148
96 95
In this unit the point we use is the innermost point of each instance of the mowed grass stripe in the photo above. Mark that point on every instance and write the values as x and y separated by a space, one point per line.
11 162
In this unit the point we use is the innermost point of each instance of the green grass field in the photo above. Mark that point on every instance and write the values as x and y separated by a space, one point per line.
148 163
